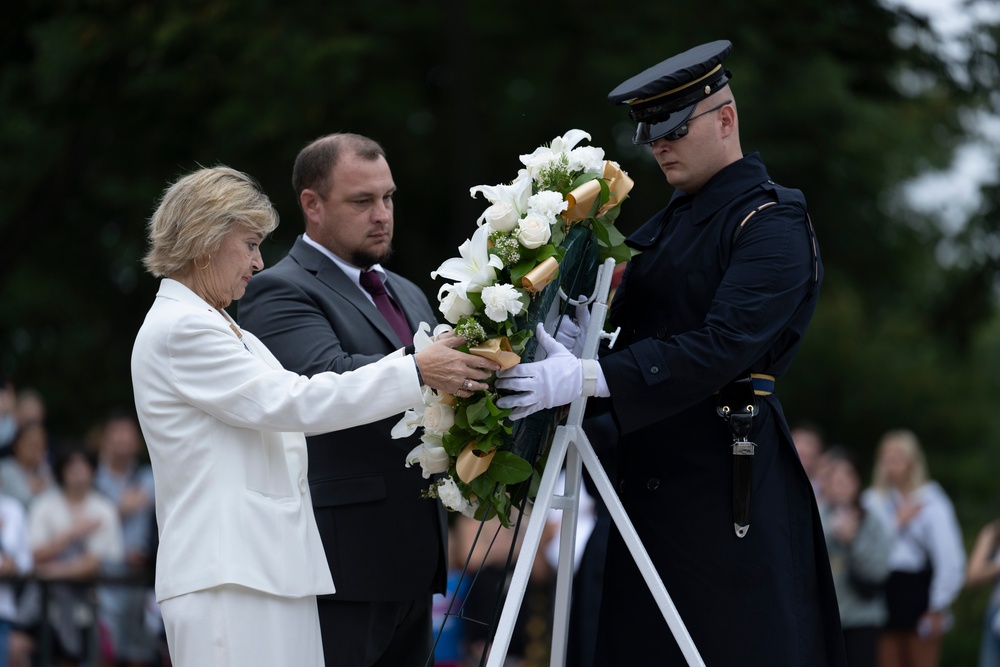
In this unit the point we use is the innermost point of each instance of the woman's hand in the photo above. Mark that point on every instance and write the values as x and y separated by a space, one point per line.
444 368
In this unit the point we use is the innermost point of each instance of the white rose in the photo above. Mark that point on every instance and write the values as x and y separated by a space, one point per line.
501 217
454 305
438 417
432 460
547 205
499 300
450 495
533 231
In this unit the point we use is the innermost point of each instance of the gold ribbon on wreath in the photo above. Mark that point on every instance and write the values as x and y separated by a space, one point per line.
471 463
582 198
540 276
498 350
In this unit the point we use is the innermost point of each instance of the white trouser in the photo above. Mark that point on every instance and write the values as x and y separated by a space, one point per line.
233 626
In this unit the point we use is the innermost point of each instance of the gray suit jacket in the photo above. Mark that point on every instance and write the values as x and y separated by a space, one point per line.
382 540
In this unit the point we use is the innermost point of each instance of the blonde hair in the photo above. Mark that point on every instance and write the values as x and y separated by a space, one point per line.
197 212
906 440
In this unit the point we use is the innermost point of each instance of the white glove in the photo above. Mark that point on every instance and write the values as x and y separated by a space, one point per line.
556 380
572 333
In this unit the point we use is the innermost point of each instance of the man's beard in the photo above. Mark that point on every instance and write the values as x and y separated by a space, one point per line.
366 258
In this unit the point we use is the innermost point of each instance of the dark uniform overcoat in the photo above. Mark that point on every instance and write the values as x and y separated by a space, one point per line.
698 310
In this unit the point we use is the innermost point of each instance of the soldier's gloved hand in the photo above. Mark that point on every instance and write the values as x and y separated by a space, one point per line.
572 333
556 380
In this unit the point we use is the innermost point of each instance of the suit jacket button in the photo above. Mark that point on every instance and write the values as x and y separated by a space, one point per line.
661 333
653 484
654 369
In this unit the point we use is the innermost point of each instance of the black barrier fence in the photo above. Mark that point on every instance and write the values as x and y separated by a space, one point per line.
39 601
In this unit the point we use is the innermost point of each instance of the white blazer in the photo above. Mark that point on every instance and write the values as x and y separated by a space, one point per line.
224 426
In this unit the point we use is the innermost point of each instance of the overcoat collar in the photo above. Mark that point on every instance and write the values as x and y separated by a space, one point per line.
729 183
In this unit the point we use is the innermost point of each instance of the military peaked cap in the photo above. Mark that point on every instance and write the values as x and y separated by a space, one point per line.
662 98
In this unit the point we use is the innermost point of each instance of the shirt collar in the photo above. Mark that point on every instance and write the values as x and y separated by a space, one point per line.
351 271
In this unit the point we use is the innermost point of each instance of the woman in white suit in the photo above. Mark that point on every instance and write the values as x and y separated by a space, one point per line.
240 560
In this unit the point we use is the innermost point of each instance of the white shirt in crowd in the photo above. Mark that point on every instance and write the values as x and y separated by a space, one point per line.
933 533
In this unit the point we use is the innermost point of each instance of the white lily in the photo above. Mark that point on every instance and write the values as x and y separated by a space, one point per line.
423 336
476 267
545 154
431 456
408 424
509 199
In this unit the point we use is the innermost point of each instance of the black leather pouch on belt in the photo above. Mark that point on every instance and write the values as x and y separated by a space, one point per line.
737 405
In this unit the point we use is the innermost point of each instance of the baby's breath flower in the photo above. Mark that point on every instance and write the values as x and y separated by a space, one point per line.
472 331
506 247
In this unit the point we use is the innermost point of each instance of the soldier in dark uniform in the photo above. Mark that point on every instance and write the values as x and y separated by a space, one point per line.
711 313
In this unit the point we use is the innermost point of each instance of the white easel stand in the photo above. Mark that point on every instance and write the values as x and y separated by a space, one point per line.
572 445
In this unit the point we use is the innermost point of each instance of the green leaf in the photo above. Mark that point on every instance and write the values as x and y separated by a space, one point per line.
583 178
603 199
612 213
477 412
509 468
601 232
558 233
482 486
520 270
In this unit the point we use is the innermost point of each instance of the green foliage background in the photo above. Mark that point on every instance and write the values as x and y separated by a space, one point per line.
103 102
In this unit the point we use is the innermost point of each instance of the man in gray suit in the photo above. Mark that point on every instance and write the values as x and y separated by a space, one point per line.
329 305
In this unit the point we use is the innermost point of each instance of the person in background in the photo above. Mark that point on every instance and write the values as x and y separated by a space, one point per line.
15 560
240 561
30 407
984 569
127 483
74 531
927 560
8 416
808 440
27 473
859 544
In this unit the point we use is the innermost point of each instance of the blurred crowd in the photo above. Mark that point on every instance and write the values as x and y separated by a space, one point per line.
78 539
896 551
77 542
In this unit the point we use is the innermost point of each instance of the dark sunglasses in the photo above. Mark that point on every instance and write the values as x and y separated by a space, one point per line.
683 129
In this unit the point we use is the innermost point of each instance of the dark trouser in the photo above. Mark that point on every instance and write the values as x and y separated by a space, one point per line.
376 634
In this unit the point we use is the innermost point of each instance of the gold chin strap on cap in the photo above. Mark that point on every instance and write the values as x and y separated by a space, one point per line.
689 84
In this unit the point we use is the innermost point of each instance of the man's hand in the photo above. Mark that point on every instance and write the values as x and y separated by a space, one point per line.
555 380
446 369
572 334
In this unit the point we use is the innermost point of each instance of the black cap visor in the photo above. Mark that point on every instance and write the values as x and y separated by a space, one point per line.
647 133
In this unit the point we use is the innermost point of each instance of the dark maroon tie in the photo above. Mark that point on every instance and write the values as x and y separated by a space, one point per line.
386 305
